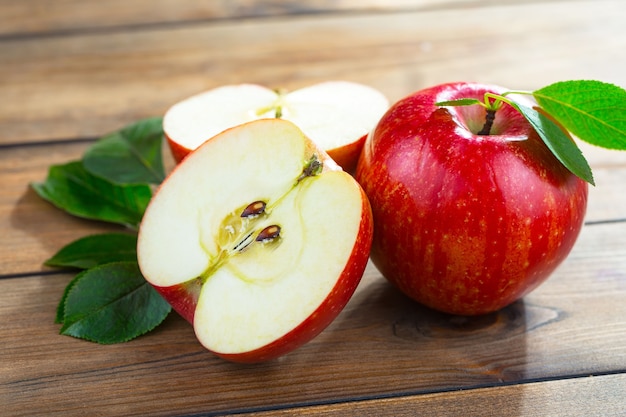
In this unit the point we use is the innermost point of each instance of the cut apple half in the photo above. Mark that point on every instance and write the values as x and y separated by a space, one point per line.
258 239
336 115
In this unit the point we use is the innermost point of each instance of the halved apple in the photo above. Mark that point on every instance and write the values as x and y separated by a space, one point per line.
337 115
258 239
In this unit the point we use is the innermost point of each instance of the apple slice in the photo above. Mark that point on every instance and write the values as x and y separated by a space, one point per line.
258 239
337 115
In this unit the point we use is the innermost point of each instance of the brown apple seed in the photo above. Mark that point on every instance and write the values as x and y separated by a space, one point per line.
268 234
254 209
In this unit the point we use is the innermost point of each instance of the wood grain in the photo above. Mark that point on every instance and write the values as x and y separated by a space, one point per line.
382 344
63 16
581 397
88 84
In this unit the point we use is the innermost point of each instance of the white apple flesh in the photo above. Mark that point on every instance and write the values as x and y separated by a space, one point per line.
257 238
336 115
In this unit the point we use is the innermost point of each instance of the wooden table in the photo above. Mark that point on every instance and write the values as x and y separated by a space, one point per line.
73 70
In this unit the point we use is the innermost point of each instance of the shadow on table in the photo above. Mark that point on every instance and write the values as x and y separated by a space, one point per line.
42 229
414 349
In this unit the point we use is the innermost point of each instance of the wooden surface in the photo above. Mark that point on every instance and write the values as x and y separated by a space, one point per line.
73 70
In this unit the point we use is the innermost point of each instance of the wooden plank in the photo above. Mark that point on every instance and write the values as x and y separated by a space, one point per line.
381 345
50 16
84 86
107 64
601 396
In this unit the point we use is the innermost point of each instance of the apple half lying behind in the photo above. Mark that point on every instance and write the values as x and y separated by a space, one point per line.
337 115
258 239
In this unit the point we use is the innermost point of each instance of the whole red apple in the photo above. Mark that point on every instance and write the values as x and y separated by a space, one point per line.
466 223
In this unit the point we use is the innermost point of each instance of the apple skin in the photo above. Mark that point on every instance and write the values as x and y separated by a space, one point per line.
347 156
179 152
466 224
183 298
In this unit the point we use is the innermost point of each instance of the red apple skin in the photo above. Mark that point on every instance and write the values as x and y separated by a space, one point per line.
347 156
183 298
179 152
466 224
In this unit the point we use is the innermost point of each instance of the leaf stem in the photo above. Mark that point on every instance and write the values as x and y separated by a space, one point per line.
527 93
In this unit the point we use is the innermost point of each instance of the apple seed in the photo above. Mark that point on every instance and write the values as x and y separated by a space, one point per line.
254 209
268 234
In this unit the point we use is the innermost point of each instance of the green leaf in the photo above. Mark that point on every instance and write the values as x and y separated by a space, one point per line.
459 102
561 145
112 303
71 188
129 156
60 316
594 111
95 250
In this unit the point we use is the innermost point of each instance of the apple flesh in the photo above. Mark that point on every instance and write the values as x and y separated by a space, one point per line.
258 239
466 223
337 115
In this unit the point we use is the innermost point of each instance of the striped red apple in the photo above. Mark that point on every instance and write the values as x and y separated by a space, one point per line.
469 216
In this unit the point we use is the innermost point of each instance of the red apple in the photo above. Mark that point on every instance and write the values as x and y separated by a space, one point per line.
466 223
258 239
337 115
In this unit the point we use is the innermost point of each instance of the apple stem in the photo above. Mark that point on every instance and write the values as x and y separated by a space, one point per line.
489 119
278 106
313 167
